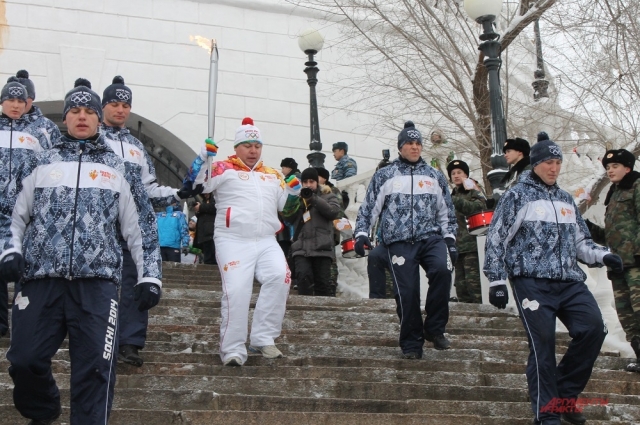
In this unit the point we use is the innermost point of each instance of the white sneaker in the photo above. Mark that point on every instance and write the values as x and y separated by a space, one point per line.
233 361
268 351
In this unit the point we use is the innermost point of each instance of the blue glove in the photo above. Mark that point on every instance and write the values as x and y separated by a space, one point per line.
614 262
12 267
499 296
147 295
453 251
362 241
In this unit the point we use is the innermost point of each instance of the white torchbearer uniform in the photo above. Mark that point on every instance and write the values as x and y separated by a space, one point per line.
247 203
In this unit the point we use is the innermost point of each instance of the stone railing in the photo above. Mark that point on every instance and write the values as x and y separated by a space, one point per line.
353 281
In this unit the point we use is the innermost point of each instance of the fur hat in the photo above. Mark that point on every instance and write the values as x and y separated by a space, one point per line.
517 144
117 92
247 132
81 95
619 156
309 174
340 145
323 172
543 151
408 134
23 77
456 163
13 90
289 162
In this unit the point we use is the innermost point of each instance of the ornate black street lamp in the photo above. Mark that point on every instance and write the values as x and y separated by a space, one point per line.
484 12
310 42
540 85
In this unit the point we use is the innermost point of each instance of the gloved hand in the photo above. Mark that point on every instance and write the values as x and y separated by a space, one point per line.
614 262
188 191
12 267
147 295
453 251
293 185
209 149
498 296
590 225
362 241
185 250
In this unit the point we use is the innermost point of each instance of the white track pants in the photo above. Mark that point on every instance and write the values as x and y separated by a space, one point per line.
239 262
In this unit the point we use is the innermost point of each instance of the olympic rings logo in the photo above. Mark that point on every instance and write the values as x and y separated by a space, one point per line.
16 91
122 94
81 97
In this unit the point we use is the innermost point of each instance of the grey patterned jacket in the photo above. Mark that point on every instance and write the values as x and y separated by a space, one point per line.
41 124
19 141
137 160
412 201
537 231
62 209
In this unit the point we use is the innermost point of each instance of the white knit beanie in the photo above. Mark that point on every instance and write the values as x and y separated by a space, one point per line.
247 132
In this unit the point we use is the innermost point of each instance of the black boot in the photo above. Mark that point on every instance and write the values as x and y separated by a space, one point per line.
576 418
635 344
129 354
440 342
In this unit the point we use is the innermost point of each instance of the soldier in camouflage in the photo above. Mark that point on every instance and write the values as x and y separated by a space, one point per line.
622 235
467 199
346 167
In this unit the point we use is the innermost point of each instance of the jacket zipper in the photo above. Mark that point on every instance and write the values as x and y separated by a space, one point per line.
412 232
559 236
75 210
10 150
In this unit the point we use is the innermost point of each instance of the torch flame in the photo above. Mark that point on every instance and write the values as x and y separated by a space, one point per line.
205 43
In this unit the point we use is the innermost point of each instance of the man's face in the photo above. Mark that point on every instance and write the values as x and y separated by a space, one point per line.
411 150
82 122
548 170
116 114
14 108
310 183
249 153
616 172
338 153
29 104
322 180
458 176
513 156
192 225
286 170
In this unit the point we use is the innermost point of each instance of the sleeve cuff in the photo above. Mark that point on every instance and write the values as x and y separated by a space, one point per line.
151 280
497 283
9 251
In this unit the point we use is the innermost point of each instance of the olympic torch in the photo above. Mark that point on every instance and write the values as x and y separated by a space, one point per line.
210 149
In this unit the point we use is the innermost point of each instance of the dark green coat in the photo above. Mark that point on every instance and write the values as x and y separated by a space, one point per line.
466 202
622 219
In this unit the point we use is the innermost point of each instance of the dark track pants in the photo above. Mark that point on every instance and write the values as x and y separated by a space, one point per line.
133 323
170 254
406 259
44 311
540 301
312 275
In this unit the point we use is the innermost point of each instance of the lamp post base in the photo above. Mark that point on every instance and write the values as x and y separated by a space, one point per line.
316 159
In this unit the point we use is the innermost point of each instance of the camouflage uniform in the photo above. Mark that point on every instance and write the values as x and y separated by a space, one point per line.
346 167
622 235
467 202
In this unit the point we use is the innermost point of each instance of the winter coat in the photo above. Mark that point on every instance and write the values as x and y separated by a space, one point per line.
62 212
345 167
19 141
206 219
247 199
173 231
622 219
42 124
511 178
314 238
138 160
412 201
466 203
537 231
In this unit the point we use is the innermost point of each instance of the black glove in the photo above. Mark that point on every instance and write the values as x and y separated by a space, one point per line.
453 251
498 296
148 295
614 262
12 267
185 250
590 225
188 191
362 241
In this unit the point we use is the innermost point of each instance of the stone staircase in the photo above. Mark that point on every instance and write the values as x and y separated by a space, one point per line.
342 366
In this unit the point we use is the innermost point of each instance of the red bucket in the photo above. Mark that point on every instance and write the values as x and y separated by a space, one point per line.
478 223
